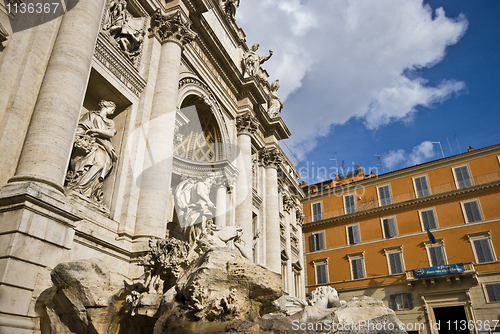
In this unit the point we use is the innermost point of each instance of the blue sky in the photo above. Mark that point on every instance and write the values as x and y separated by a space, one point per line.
385 77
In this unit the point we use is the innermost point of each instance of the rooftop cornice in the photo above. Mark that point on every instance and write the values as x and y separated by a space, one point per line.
400 205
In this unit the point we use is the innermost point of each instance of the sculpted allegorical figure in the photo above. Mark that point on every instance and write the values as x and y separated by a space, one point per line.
128 38
93 155
193 201
252 60
230 7
275 104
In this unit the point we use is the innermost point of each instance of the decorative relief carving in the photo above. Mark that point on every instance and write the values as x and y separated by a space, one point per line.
275 105
93 155
110 59
246 124
125 31
171 28
252 60
229 7
299 216
288 203
271 157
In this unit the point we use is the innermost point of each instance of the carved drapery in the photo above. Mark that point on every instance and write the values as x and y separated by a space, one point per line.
246 124
271 157
171 28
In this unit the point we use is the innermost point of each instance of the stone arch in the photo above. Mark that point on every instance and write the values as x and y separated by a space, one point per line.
192 91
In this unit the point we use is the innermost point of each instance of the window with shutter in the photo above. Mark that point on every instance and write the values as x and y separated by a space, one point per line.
353 234
437 256
321 277
317 241
357 269
428 219
349 204
483 250
395 264
317 212
384 195
400 301
389 225
462 176
493 291
421 187
472 212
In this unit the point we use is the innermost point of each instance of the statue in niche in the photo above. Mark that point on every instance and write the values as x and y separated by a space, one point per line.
229 7
275 104
119 25
192 199
93 155
252 60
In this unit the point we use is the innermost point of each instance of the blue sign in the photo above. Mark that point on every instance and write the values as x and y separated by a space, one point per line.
439 270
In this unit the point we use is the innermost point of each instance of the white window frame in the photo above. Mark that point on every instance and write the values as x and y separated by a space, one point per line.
486 297
481 236
324 241
312 211
347 234
395 226
422 221
478 206
390 194
455 175
357 256
355 204
320 262
439 242
392 250
415 186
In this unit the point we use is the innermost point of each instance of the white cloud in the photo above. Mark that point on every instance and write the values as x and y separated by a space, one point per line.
341 59
393 158
421 153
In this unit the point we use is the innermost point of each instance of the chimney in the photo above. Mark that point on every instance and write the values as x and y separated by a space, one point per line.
470 149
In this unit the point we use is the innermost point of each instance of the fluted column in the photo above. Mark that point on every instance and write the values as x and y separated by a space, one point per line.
246 125
220 201
271 159
173 33
50 136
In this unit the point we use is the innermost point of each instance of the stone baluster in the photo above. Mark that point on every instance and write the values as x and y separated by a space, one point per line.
49 140
173 33
246 125
271 159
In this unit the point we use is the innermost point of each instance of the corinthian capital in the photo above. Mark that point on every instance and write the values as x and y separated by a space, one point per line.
171 28
270 157
246 124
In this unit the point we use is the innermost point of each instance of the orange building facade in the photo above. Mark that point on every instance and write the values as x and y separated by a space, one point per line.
423 239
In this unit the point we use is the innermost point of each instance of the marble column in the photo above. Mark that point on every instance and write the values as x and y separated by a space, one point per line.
271 159
173 33
246 125
50 136
220 201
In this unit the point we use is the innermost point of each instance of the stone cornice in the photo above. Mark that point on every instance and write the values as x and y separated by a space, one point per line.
171 28
410 203
246 124
271 157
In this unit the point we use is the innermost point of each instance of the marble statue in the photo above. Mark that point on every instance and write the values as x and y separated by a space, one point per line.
192 199
325 297
229 7
252 60
275 105
93 155
119 26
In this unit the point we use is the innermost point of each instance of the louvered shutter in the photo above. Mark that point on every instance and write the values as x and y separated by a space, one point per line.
493 291
394 302
355 234
483 251
395 263
428 219
321 241
472 212
312 242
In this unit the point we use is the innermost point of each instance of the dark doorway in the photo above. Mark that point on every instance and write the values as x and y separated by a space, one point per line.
451 319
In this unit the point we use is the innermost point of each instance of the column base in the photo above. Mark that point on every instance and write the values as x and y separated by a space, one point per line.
36 231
